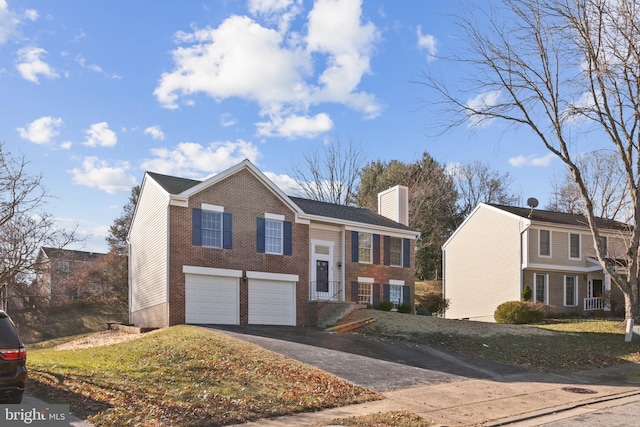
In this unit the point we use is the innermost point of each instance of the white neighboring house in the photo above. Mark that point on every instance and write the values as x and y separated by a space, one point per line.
498 250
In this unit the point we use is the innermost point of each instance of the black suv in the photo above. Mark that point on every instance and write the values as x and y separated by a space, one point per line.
13 362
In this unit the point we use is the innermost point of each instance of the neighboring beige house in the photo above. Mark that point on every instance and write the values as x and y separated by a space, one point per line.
56 266
498 249
234 249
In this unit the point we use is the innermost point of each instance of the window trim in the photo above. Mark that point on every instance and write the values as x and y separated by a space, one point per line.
369 286
202 228
397 287
579 246
401 260
266 237
360 240
540 254
545 287
575 291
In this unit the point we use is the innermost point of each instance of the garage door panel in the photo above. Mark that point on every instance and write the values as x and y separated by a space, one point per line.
211 299
272 302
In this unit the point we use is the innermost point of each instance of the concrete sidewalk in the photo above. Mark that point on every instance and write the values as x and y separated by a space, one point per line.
508 399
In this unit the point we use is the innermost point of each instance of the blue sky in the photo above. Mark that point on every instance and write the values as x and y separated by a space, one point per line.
95 93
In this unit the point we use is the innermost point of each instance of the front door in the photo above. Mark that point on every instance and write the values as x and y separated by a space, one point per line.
322 279
596 289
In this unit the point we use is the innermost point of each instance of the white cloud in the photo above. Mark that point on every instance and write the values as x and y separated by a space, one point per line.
428 43
296 126
227 120
335 29
66 145
521 161
8 23
189 159
286 183
100 135
31 66
223 62
41 130
96 173
31 14
81 60
281 12
482 102
155 132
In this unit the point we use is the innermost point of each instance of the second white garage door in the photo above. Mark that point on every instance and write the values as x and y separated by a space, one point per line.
212 300
272 302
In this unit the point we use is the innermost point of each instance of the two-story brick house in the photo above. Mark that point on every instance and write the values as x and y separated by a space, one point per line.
234 249
499 249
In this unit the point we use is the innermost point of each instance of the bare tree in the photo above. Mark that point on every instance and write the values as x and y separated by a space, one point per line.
478 183
558 68
24 225
432 203
605 180
331 174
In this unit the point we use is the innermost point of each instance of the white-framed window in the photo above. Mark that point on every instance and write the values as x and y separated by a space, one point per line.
365 293
364 247
212 229
273 236
395 294
570 291
574 245
544 243
540 288
395 251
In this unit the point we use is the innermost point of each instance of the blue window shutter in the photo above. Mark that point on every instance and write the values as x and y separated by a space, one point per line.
387 253
260 235
227 230
376 295
406 253
354 246
286 230
386 293
354 291
406 294
196 227
376 249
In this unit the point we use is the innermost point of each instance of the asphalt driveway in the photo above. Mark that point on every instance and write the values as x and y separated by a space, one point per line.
375 363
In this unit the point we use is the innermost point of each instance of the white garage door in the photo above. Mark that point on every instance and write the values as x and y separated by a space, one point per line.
212 299
272 302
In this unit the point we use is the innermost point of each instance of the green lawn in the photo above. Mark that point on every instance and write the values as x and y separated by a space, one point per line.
183 376
576 345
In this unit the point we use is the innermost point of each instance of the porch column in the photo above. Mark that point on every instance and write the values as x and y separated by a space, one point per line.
607 291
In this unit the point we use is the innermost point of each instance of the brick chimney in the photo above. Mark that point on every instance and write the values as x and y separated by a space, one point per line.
394 204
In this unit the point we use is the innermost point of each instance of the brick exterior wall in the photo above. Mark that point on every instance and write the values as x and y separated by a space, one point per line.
246 198
379 272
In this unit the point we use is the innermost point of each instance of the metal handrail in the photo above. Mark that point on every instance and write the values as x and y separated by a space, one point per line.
336 296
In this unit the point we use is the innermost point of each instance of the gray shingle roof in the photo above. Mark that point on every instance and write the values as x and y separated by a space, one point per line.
175 185
70 255
347 213
561 217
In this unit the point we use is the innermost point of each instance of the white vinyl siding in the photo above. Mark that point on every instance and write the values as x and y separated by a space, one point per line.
148 239
477 280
